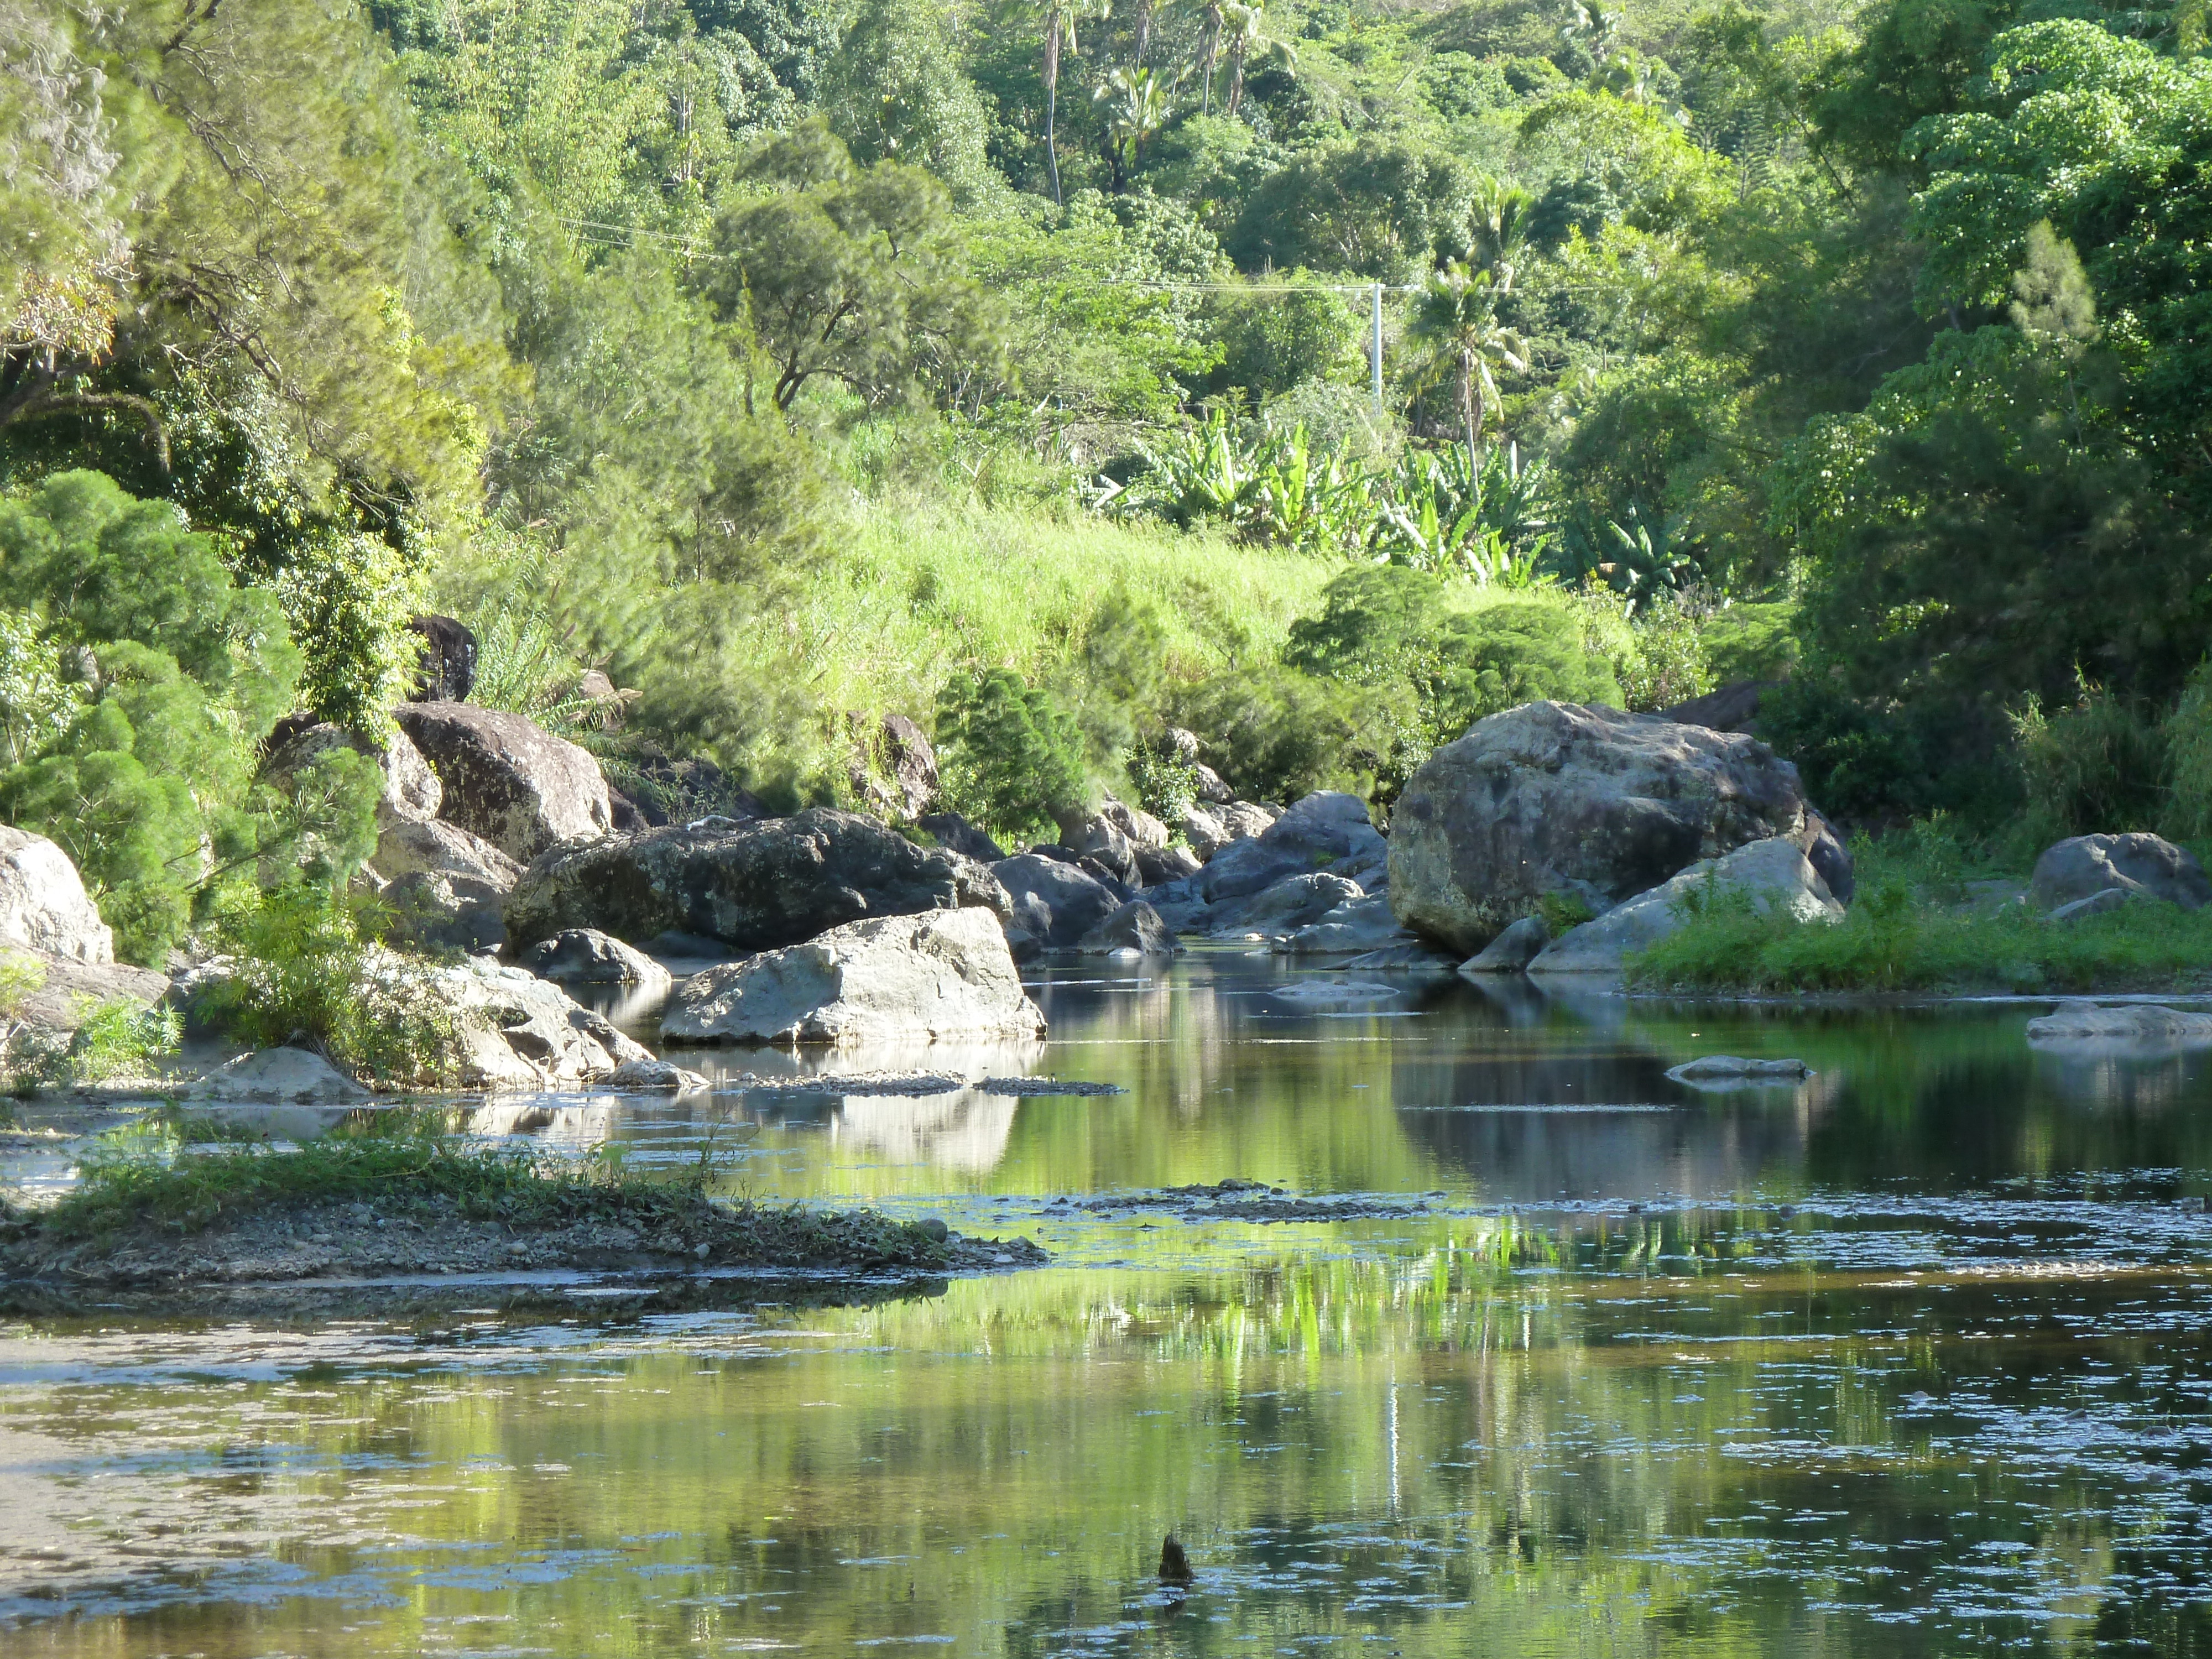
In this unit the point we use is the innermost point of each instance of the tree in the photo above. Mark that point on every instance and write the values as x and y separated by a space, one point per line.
851 271
1057 20
1246 22
1458 316
1137 107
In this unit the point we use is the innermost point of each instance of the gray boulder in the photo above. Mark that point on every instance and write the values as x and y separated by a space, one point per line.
279 1077
656 1074
1774 874
502 778
1055 903
71 988
957 835
1136 926
2141 866
1157 865
2121 1025
412 790
1326 827
947 974
44 907
1580 800
517 1030
910 762
755 885
1209 827
447 888
1736 1071
1287 905
432 913
1512 951
1352 926
584 956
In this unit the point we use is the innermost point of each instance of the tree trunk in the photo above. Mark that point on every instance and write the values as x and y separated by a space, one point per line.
1144 33
1212 56
1235 76
1470 407
1052 103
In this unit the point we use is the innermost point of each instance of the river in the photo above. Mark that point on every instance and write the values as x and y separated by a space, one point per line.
1909 1358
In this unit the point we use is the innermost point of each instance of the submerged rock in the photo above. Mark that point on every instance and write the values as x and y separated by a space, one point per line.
505 779
2141 866
945 975
656 1074
1586 800
1726 1071
43 905
2127 1023
1774 874
755 885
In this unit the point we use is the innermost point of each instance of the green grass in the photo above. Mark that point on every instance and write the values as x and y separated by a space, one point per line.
1914 946
175 1174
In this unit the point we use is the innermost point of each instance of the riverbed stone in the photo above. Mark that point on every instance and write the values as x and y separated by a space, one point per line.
1055 903
69 988
954 832
1208 827
755 885
2142 866
279 1077
1774 874
504 778
2122 1023
1736 1071
43 905
1350 927
1287 905
947 974
1513 949
657 1074
1135 926
1574 798
519 1031
585 955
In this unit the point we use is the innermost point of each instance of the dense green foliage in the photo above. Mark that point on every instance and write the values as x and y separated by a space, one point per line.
1717 341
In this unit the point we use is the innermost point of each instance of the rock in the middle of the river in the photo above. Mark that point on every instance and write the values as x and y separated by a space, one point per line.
755 886
948 975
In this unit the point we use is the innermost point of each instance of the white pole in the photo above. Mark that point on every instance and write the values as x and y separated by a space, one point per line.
1377 353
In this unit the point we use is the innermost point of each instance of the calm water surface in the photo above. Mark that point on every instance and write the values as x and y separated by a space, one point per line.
1911 1358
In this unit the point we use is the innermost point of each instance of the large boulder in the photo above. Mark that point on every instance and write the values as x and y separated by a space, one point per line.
1774 874
519 1031
755 886
1055 903
1135 929
446 889
1732 708
2142 866
412 790
1208 827
1324 827
947 974
953 831
1293 902
503 778
1578 800
1351 927
69 988
584 956
44 906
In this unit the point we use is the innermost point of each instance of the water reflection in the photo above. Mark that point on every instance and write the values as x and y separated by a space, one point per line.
1910 1359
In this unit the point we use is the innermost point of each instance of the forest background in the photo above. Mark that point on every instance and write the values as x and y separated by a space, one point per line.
1007 365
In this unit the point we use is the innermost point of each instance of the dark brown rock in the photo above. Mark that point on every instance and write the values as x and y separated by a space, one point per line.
449 660
755 886
1730 707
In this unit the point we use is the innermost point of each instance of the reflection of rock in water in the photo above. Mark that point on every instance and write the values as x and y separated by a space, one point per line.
2118 1078
1710 1148
562 1121
962 1131
972 1061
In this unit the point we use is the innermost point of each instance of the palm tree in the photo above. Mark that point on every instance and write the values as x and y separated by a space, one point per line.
1215 13
1058 18
1596 25
1137 107
1498 229
1459 316
1247 29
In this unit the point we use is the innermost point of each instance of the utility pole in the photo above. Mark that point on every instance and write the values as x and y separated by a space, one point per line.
1377 352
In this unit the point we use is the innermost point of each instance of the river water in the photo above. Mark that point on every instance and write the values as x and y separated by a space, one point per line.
1910 1359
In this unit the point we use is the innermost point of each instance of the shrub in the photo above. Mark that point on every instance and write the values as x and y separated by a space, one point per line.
1276 734
2097 768
116 1037
1751 642
1861 760
2188 732
1010 756
307 971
